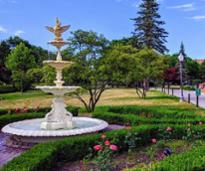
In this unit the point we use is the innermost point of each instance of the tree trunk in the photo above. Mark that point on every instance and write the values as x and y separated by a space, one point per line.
146 84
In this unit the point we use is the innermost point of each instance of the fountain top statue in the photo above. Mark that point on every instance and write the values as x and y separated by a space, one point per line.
58 30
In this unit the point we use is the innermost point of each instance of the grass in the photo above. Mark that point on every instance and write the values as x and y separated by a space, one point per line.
111 97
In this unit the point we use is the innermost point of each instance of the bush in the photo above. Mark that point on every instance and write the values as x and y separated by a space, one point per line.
134 115
6 89
43 157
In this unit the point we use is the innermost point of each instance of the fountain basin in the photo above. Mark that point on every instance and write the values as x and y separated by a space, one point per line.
29 131
59 65
57 90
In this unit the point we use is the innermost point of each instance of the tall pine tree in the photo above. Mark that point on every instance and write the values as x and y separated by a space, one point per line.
148 27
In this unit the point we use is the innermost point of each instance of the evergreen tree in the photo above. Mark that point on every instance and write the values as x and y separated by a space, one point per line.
148 27
182 50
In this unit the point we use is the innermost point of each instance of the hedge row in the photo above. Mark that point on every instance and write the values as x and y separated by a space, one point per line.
7 89
154 111
75 110
8 118
43 157
119 115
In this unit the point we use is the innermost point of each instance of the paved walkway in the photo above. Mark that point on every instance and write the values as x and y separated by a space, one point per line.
7 153
192 96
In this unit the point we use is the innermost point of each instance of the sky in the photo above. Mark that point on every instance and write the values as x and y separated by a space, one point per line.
185 20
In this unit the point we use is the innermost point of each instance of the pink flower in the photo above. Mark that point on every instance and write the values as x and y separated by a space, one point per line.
107 143
169 129
103 136
25 110
154 140
113 147
97 147
200 123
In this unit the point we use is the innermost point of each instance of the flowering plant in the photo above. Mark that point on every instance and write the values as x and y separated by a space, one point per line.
104 154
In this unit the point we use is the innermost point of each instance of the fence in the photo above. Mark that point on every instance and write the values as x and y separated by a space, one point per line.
189 96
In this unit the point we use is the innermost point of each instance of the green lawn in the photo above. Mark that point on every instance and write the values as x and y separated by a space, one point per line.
26 95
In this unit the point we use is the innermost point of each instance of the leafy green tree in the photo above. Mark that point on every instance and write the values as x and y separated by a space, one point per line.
148 27
119 62
153 68
5 75
19 62
87 71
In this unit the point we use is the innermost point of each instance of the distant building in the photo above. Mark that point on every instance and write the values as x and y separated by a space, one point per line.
200 61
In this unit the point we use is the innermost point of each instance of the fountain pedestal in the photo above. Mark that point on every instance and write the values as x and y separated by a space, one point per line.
58 117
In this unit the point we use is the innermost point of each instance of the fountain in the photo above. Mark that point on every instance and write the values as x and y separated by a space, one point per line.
58 122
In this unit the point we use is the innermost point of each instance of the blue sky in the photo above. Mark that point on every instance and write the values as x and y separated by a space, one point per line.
185 20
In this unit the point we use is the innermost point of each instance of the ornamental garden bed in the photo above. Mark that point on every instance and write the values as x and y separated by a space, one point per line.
149 132
135 157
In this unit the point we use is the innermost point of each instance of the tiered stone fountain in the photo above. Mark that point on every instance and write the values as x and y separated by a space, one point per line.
58 122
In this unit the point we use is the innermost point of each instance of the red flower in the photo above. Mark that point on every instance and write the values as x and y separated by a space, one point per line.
103 136
113 147
154 140
200 123
97 147
169 129
107 143
17 110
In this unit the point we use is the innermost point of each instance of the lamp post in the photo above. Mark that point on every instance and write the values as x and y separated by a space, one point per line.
181 60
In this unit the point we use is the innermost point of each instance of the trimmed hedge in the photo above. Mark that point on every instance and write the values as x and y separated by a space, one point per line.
43 157
7 89
8 118
75 110
134 115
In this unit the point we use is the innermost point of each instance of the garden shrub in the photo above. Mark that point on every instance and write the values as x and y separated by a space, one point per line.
134 115
75 110
7 89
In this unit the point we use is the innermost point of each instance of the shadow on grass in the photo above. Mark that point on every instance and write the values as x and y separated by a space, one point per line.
161 98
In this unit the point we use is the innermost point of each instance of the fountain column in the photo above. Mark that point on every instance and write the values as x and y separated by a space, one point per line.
58 117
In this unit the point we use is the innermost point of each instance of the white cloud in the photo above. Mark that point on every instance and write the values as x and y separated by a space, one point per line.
3 30
19 32
198 17
185 7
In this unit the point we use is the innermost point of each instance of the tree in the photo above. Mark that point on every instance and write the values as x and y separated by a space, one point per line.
87 71
119 63
19 62
5 75
182 50
148 27
153 68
